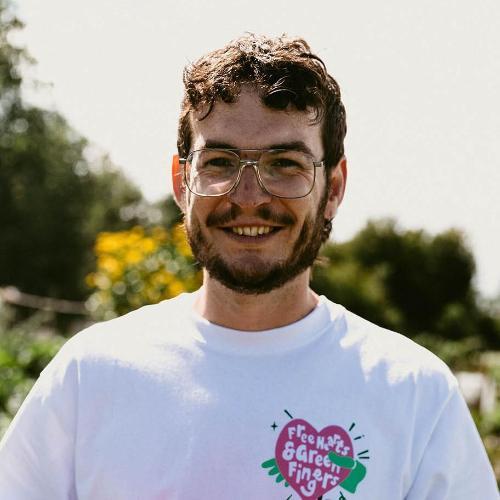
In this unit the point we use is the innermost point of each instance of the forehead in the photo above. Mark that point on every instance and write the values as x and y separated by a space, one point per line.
249 124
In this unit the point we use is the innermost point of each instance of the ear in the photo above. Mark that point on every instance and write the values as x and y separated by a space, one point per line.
338 179
178 182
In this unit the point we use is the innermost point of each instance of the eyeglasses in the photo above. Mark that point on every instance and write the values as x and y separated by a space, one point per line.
283 173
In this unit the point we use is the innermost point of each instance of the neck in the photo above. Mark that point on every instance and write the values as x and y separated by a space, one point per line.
238 311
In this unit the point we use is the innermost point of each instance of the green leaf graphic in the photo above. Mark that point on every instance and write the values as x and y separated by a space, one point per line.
269 463
345 462
357 474
274 471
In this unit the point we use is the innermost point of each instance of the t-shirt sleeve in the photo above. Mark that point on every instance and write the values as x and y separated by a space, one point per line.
454 465
37 451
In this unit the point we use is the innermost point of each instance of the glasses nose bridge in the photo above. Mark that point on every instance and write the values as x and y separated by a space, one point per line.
246 162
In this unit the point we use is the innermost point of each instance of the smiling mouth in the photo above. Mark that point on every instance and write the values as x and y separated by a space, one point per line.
251 231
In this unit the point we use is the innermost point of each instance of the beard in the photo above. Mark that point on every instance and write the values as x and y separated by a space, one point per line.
256 276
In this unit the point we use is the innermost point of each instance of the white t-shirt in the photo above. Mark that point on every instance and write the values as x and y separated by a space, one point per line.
161 404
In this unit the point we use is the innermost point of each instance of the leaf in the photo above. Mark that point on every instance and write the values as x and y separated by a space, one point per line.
345 462
269 463
274 471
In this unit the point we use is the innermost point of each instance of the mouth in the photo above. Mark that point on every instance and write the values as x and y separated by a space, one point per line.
248 232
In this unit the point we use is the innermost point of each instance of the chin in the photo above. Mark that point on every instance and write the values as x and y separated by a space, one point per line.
254 278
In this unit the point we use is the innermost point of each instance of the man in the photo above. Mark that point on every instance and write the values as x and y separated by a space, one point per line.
253 387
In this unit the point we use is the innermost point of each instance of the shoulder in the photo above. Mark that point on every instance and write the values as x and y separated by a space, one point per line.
130 335
391 358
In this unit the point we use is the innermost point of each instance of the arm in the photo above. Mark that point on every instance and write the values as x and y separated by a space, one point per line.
37 451
454 465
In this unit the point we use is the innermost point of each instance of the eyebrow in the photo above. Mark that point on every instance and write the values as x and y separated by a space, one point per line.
292 145
218 145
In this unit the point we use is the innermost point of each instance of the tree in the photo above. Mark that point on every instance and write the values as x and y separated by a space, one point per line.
53 200
409 281
10 59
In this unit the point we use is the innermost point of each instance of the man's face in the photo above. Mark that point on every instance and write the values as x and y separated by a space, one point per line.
256 263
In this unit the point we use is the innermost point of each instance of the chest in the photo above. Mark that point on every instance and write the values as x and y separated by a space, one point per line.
241 431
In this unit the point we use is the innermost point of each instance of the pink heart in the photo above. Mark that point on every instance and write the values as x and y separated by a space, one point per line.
302 457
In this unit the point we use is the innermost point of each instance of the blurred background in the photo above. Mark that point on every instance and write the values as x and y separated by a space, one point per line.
89 101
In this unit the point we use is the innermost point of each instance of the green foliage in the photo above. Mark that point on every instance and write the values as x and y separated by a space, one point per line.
138 267
53 199
48 202
169 215
10 57
413 283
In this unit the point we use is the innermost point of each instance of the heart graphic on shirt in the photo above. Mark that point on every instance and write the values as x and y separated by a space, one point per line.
302 457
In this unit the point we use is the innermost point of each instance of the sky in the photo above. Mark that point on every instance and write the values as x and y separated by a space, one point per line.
420 82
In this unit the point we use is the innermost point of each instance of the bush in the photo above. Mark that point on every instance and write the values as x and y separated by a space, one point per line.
138 267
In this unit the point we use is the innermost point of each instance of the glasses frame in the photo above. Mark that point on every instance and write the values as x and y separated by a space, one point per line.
244 163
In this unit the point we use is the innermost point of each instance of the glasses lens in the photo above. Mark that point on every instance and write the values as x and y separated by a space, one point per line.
211 172
287 173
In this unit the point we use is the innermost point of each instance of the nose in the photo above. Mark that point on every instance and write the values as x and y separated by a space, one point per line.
248 192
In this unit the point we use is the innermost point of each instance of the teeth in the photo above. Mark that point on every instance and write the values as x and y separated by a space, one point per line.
251 230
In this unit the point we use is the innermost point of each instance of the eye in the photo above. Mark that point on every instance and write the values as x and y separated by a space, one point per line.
285 160
219 161
214 161
284 163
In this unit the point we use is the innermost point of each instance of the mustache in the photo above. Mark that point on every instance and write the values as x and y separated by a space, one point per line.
264 213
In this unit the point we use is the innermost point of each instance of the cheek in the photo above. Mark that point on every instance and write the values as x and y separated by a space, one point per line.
304 208
191 213
199 208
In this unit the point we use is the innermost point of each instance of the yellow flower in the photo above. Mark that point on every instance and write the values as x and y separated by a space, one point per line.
148 245
175 288
109 242
133 256
162 278
140 266
109 265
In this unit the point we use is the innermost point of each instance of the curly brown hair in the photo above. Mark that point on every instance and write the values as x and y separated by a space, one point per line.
286 73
